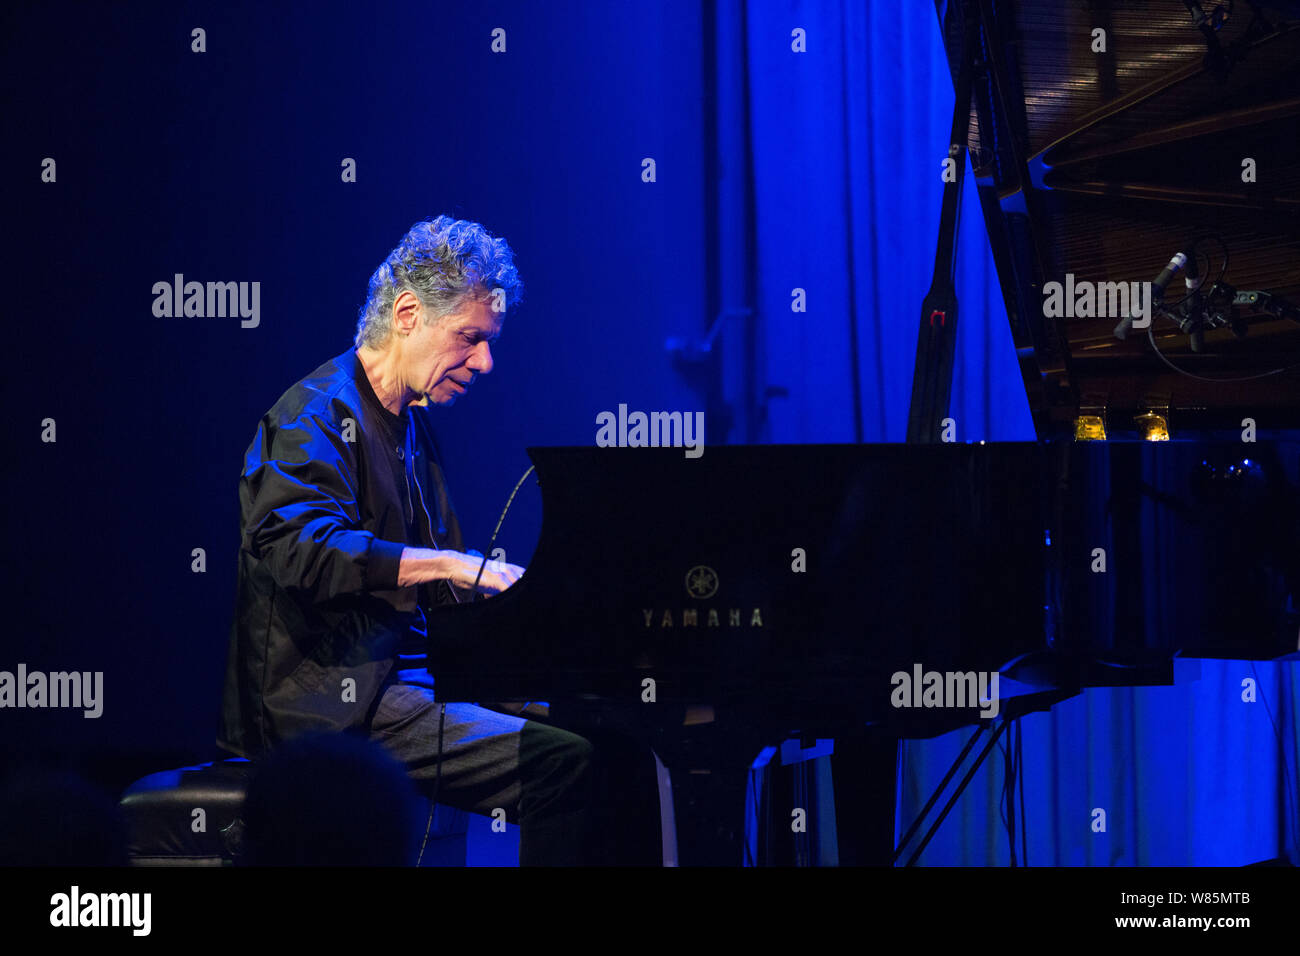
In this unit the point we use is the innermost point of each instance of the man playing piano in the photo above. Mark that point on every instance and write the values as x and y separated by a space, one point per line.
347 532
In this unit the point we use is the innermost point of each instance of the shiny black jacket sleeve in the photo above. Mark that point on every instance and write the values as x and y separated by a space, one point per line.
300 497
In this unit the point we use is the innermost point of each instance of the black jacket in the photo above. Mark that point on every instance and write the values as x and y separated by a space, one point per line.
326 505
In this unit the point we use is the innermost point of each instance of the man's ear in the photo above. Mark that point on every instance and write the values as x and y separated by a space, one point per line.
406 312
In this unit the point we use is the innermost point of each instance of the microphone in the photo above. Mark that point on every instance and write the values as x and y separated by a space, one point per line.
1167 274
1158 286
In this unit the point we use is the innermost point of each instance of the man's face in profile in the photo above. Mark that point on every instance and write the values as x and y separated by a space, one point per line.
444 359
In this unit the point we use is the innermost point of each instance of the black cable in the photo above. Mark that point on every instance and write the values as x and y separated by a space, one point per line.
1002 796
1013 779
491 542
1010 787
437 781
1024 843
1203 378
900 784
1007 805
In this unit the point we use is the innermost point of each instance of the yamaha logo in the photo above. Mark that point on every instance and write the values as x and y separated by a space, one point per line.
701 582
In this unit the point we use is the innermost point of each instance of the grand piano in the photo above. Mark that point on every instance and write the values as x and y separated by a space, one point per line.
712 607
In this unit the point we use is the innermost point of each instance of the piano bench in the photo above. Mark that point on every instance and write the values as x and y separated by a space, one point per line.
165 829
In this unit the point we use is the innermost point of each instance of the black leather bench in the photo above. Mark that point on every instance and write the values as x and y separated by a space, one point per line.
190 817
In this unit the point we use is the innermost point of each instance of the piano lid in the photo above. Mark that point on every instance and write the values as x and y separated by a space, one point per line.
1105 137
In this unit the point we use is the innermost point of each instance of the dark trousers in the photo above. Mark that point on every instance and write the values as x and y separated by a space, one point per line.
540 775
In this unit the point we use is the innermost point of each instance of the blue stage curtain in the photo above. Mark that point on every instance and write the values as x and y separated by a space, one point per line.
845 151
831 162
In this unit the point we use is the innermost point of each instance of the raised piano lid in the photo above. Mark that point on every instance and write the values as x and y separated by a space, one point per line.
1102 165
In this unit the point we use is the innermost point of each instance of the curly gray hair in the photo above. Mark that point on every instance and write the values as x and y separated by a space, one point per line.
445 262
